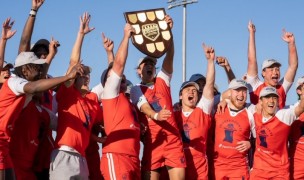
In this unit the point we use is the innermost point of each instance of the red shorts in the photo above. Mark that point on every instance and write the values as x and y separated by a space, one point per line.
93 161
119 166
5 159
238 173
23 169
197 166
165 150
264 174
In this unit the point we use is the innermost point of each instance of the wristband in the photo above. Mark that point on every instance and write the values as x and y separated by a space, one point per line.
155 116
33 13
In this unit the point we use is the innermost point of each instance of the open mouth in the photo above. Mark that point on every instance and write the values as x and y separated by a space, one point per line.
149 73
6 77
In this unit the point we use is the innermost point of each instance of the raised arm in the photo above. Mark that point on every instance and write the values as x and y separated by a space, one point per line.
83 30
252 67
53 48
76 51
7 33
122 52
223 62
25 42
210 75
108 45
46 84
292 56
168 60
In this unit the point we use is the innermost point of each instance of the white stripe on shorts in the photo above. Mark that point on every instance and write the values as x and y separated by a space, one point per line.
111 166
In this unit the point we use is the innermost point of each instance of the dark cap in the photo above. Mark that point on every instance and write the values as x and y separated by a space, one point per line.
41 42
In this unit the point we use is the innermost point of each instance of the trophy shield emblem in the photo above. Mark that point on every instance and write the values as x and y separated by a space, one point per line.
152 34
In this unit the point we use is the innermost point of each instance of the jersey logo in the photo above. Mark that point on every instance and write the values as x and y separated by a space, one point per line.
155 104
228 130
263 137
186 131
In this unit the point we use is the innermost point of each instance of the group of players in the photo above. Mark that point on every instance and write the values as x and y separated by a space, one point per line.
206 135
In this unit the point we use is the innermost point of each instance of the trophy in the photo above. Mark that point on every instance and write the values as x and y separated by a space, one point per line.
152 34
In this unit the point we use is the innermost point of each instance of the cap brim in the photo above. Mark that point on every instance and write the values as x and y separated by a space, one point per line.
8 66
38 61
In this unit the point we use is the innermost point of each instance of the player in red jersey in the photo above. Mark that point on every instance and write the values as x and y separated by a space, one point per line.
162 141
194 120
271 69
296 140
27 136
233 129
271 159
78 110
120 152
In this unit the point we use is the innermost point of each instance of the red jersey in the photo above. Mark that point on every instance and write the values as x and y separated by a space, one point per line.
296 148
257 85
231 127
12 100
158 96
121 126
27 136
194 127
76 115
271 142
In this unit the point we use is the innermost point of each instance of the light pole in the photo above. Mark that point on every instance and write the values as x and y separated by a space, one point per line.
173 4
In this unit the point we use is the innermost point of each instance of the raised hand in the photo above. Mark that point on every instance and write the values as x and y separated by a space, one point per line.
36 4
7 32
128 30
251 27
209 52
108 44
77 70
54 44
169 21
222 61
288 37
84 23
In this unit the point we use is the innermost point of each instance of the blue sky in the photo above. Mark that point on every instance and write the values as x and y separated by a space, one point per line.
219 23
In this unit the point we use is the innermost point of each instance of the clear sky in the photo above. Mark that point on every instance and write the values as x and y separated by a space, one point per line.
219 23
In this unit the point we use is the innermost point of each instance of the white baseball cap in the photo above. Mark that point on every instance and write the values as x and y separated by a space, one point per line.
237 83
28 58
269 62
147 58
188 83
300 81
267 91
196 77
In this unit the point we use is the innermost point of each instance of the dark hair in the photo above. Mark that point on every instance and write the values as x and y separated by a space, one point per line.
105 76
299 88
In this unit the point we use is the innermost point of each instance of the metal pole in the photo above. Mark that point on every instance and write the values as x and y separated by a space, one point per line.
184 42
184 4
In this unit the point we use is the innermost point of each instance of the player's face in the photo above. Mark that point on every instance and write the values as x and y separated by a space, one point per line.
269 105
189 97
32 72
41 52
271 75
5 74
239 97
147 71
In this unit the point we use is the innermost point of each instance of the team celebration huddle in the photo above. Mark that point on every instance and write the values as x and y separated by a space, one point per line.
206 135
